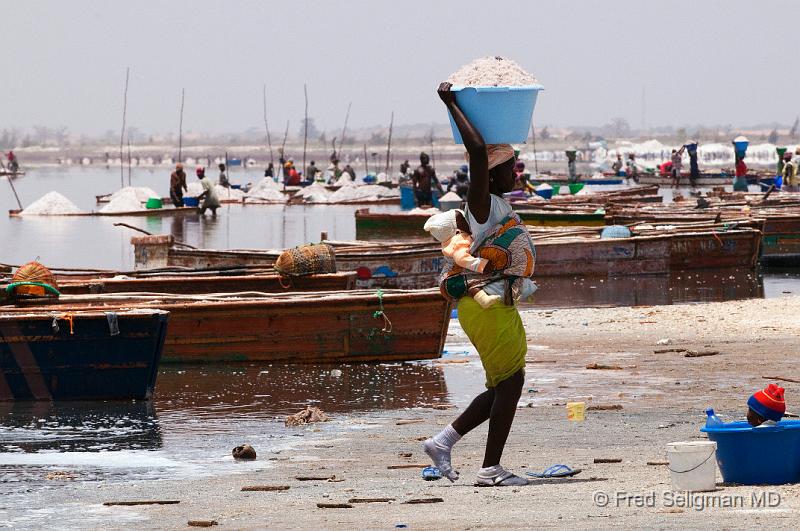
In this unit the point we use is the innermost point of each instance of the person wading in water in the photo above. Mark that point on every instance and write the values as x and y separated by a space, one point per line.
496 332
423 180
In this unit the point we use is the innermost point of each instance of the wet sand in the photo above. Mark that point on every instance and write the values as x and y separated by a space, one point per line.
663 397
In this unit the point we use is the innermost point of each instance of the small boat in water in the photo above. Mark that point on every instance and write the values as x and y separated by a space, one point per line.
311 327
69 354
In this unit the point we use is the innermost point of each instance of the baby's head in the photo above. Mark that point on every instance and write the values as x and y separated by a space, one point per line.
765 405
444 226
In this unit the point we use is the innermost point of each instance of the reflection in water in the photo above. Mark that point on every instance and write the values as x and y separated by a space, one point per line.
274 389
647 290
78 426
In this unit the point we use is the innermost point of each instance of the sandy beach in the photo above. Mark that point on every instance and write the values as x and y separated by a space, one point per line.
659 398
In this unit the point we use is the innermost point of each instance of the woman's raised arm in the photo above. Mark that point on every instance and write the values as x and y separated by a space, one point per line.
478 194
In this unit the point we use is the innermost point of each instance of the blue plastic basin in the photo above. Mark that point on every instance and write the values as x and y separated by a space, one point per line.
767 455
546 194
191 201
741 145
501 114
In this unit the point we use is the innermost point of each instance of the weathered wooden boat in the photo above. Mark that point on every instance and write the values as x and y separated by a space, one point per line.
558 252
193 285
150 212
406 265
310 327
390 225
67 354
563 179
781 226
543 217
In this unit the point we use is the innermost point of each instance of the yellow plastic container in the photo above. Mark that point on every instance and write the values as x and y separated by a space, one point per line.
576 411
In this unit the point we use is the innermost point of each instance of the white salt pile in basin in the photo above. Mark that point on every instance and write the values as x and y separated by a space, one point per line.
492 71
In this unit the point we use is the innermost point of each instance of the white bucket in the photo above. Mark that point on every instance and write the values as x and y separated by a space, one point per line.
692 465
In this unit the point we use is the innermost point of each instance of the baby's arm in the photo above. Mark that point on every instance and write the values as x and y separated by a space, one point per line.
458 250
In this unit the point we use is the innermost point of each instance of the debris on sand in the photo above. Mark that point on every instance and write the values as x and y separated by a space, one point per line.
244 452
309 415
202 523
601 367
604 407
265 488
700 353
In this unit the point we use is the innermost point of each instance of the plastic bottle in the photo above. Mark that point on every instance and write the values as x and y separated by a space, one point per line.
713 421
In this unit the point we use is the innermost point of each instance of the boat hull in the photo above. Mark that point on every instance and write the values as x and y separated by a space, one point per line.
81 360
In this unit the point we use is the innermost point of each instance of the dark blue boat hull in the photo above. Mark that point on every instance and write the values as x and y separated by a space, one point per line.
38 362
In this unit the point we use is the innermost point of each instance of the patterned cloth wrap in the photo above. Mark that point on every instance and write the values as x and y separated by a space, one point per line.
509 248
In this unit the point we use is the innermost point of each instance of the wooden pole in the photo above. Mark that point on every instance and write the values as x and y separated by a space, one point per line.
433 156
344 128
285 135
535 161
366 163
266 128
305 132
389 144
19 203
180 128
129 159
122 132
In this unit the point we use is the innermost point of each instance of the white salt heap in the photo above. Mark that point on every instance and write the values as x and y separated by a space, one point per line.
450 197
223 194
125 200
267 190
492 72
142 193
51 204
315 193
367 192
427 211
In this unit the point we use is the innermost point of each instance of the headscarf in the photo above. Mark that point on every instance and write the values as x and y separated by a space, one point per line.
497 154
200 171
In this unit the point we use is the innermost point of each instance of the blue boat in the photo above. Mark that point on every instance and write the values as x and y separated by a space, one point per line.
81 355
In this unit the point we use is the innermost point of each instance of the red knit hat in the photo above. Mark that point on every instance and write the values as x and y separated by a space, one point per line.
769 403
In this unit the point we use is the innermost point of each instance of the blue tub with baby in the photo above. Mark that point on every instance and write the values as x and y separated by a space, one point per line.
501 114
765 455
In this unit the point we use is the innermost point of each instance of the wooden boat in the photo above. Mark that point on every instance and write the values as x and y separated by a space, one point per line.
77 355
193 285
407 265
150 212
543 217
390 225
558 252
311 327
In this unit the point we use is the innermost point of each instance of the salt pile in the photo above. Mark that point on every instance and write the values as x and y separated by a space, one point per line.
142 193
125 200
223 194
420 211
315 193
450 197
367 192
51 204
492 72
267 190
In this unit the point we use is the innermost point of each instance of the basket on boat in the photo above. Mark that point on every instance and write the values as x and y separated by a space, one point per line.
307 260
33 280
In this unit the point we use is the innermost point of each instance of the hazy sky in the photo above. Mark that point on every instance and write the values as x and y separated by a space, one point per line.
699 61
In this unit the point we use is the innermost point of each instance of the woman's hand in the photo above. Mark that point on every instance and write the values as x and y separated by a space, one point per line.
445 94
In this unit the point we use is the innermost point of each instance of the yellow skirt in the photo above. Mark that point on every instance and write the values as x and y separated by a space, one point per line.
499 336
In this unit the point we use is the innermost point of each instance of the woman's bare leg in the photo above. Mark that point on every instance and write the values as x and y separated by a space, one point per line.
503 410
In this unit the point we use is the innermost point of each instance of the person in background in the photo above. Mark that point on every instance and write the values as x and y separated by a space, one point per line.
350 171
311 172
632 168
677 163
790 173
223 178
209 196
520 176
290 175
572 168
177 185
334 171
404 167
460 182
423 179
13 163
270 171
617 166
740 181
694 169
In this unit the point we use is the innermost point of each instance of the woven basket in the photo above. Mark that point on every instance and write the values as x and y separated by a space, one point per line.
35 272
307 260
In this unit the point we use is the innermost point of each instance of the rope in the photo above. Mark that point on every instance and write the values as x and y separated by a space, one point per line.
387 323
70 318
